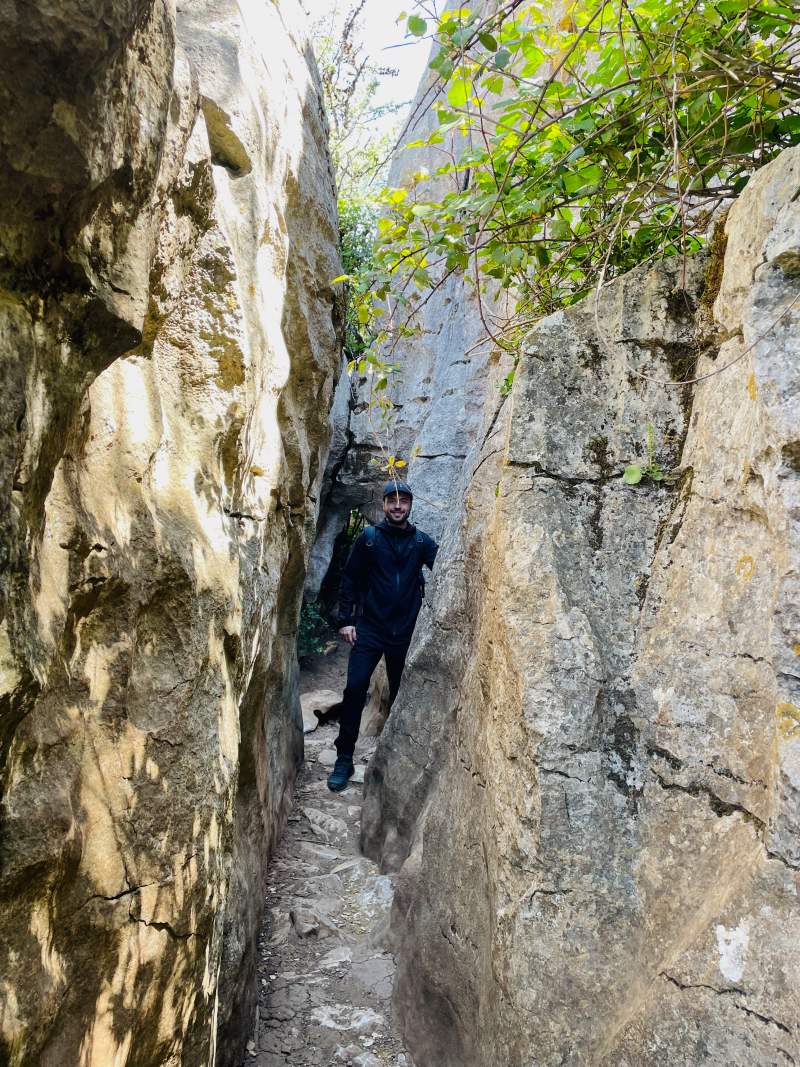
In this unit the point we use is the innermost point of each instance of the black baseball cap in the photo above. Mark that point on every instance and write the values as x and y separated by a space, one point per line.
397 487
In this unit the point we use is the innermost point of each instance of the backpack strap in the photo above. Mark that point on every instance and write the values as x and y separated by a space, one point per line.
370 533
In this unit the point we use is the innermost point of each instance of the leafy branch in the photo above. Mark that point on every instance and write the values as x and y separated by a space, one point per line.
570 149
609 138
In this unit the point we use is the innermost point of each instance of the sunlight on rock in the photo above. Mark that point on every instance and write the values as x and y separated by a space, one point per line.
574 837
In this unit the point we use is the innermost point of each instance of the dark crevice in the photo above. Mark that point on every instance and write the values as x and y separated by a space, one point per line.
782 859
487 457
727 991
668 757
562 774
130 891
763 1018
243 515
540 472
721 808
679 765
493 422
165 927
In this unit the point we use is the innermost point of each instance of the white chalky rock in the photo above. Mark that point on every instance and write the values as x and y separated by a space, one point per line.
345 1017
336 957
324 826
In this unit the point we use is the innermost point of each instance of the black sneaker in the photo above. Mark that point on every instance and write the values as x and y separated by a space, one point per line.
342 772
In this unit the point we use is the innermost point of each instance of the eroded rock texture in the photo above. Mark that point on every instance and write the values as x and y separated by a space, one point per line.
169 357
446 372
590 779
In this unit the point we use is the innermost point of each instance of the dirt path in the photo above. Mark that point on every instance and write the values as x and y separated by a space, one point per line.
325 975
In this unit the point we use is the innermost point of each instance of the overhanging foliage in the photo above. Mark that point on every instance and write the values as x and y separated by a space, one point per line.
575 151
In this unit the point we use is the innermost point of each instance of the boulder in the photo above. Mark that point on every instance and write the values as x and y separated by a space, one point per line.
590 789
316 700
171 353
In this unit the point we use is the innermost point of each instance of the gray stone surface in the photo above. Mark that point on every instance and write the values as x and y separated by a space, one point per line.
589 782
169 357
316 700
447 372
376 709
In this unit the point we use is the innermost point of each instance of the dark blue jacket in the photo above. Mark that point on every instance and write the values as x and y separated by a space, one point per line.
382 583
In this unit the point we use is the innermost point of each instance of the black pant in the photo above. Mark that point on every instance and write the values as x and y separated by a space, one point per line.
364 658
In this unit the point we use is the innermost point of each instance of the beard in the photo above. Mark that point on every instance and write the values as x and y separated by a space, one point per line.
397 521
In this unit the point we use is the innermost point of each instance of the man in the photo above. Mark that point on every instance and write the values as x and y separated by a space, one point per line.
379 600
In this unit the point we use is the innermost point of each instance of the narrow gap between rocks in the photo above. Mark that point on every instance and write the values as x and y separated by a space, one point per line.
325 973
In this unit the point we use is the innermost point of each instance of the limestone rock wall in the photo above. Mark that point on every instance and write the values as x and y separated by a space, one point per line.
170 350
447 370
589 782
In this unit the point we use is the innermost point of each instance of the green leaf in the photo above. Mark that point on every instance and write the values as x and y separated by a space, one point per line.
502 58
560 230
507 384
459 92
581 179
709 14
515 256
417 26
632 475
488 41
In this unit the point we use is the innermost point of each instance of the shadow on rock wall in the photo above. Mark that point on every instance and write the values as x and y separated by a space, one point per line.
158 513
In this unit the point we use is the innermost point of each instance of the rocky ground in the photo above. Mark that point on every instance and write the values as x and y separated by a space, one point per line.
325 973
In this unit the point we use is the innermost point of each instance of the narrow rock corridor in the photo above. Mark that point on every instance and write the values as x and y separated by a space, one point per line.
325 972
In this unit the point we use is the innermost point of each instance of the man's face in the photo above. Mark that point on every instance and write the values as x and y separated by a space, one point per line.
397 507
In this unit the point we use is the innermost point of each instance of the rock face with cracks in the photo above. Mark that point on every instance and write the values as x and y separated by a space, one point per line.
447 370
589 781
170 351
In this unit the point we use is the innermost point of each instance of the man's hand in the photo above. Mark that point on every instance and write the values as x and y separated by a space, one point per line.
349 634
